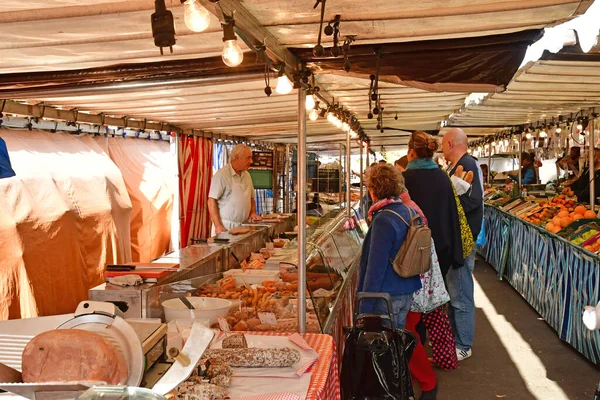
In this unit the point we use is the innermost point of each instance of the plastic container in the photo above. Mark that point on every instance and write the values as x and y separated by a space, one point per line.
252 277
205 308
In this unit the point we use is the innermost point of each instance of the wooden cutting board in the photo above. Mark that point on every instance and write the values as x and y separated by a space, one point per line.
146 270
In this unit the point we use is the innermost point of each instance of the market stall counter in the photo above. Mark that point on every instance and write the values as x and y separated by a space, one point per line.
555 275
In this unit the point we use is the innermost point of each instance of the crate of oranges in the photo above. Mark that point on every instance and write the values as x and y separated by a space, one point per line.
564 218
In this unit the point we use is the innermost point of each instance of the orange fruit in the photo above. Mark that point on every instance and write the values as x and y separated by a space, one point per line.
556 229
549 226
577 217
563 214
556 221
580 210
589 214
566 221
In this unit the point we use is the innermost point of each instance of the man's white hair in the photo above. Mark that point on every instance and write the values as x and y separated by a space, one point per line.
238 151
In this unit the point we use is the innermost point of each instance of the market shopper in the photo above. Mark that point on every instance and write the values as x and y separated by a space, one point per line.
570 162
382 242
419 365
581 187
459 281
231 196
528 174
431 189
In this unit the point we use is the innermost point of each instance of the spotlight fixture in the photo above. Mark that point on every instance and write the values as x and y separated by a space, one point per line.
163 26
196 17
268 90
284 86
232 54
318 50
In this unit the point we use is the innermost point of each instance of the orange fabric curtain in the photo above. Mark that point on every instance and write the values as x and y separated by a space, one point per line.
195 174
62 218
148 170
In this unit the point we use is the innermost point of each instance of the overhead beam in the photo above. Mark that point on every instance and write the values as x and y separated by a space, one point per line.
38 111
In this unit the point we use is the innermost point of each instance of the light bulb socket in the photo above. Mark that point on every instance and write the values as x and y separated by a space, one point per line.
228 31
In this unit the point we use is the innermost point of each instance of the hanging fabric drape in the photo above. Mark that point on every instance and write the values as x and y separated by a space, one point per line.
195 175
63 217
145 168
221 153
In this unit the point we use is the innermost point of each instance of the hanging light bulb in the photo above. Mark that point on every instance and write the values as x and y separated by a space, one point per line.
528 136
313 114
284 86
587 35
310 102
558 130
494 144
579 127
196 17
338 122
345 126
330 117
469 151
543 134
232 54
505 142
353 134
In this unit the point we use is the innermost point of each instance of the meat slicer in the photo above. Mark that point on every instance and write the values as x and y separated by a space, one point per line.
139 342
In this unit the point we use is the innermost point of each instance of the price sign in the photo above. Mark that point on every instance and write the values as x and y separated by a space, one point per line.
267 318
223 324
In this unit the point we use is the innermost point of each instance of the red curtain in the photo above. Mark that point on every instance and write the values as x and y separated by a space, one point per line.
195 174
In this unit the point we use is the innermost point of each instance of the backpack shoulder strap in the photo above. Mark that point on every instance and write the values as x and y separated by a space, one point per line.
398 215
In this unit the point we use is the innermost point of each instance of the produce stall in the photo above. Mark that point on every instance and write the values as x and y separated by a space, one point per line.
554 269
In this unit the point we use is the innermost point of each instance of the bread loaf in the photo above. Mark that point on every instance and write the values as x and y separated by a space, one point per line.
235 341
73 355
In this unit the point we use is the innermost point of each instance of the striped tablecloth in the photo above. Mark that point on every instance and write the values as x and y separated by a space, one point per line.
325 380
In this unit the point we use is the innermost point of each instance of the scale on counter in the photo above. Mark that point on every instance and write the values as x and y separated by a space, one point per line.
141 343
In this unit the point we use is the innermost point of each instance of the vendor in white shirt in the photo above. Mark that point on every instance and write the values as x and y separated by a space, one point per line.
231 197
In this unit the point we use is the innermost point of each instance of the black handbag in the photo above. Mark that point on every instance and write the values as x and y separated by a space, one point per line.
375 359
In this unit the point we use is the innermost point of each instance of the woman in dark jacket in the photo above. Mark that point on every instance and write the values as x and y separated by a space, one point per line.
384 238
431 189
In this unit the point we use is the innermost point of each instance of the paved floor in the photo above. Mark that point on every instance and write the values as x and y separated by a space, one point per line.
516 355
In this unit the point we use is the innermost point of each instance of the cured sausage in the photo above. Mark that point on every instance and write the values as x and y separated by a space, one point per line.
255 357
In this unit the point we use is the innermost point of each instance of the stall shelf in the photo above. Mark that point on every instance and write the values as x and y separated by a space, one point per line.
195 261
556 277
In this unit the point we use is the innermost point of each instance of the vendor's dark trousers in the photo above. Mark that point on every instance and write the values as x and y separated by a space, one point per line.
419 365
459 282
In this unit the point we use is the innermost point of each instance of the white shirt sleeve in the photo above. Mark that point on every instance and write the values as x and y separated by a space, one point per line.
217 186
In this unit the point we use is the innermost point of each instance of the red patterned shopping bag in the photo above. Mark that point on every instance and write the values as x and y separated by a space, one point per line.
441 338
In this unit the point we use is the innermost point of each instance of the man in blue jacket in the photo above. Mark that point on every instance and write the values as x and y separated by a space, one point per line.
459 281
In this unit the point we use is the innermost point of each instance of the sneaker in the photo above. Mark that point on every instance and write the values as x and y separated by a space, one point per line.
463 354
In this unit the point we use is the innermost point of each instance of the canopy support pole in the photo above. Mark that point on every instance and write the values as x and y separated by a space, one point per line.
301 203
362 205
592 127
348 172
